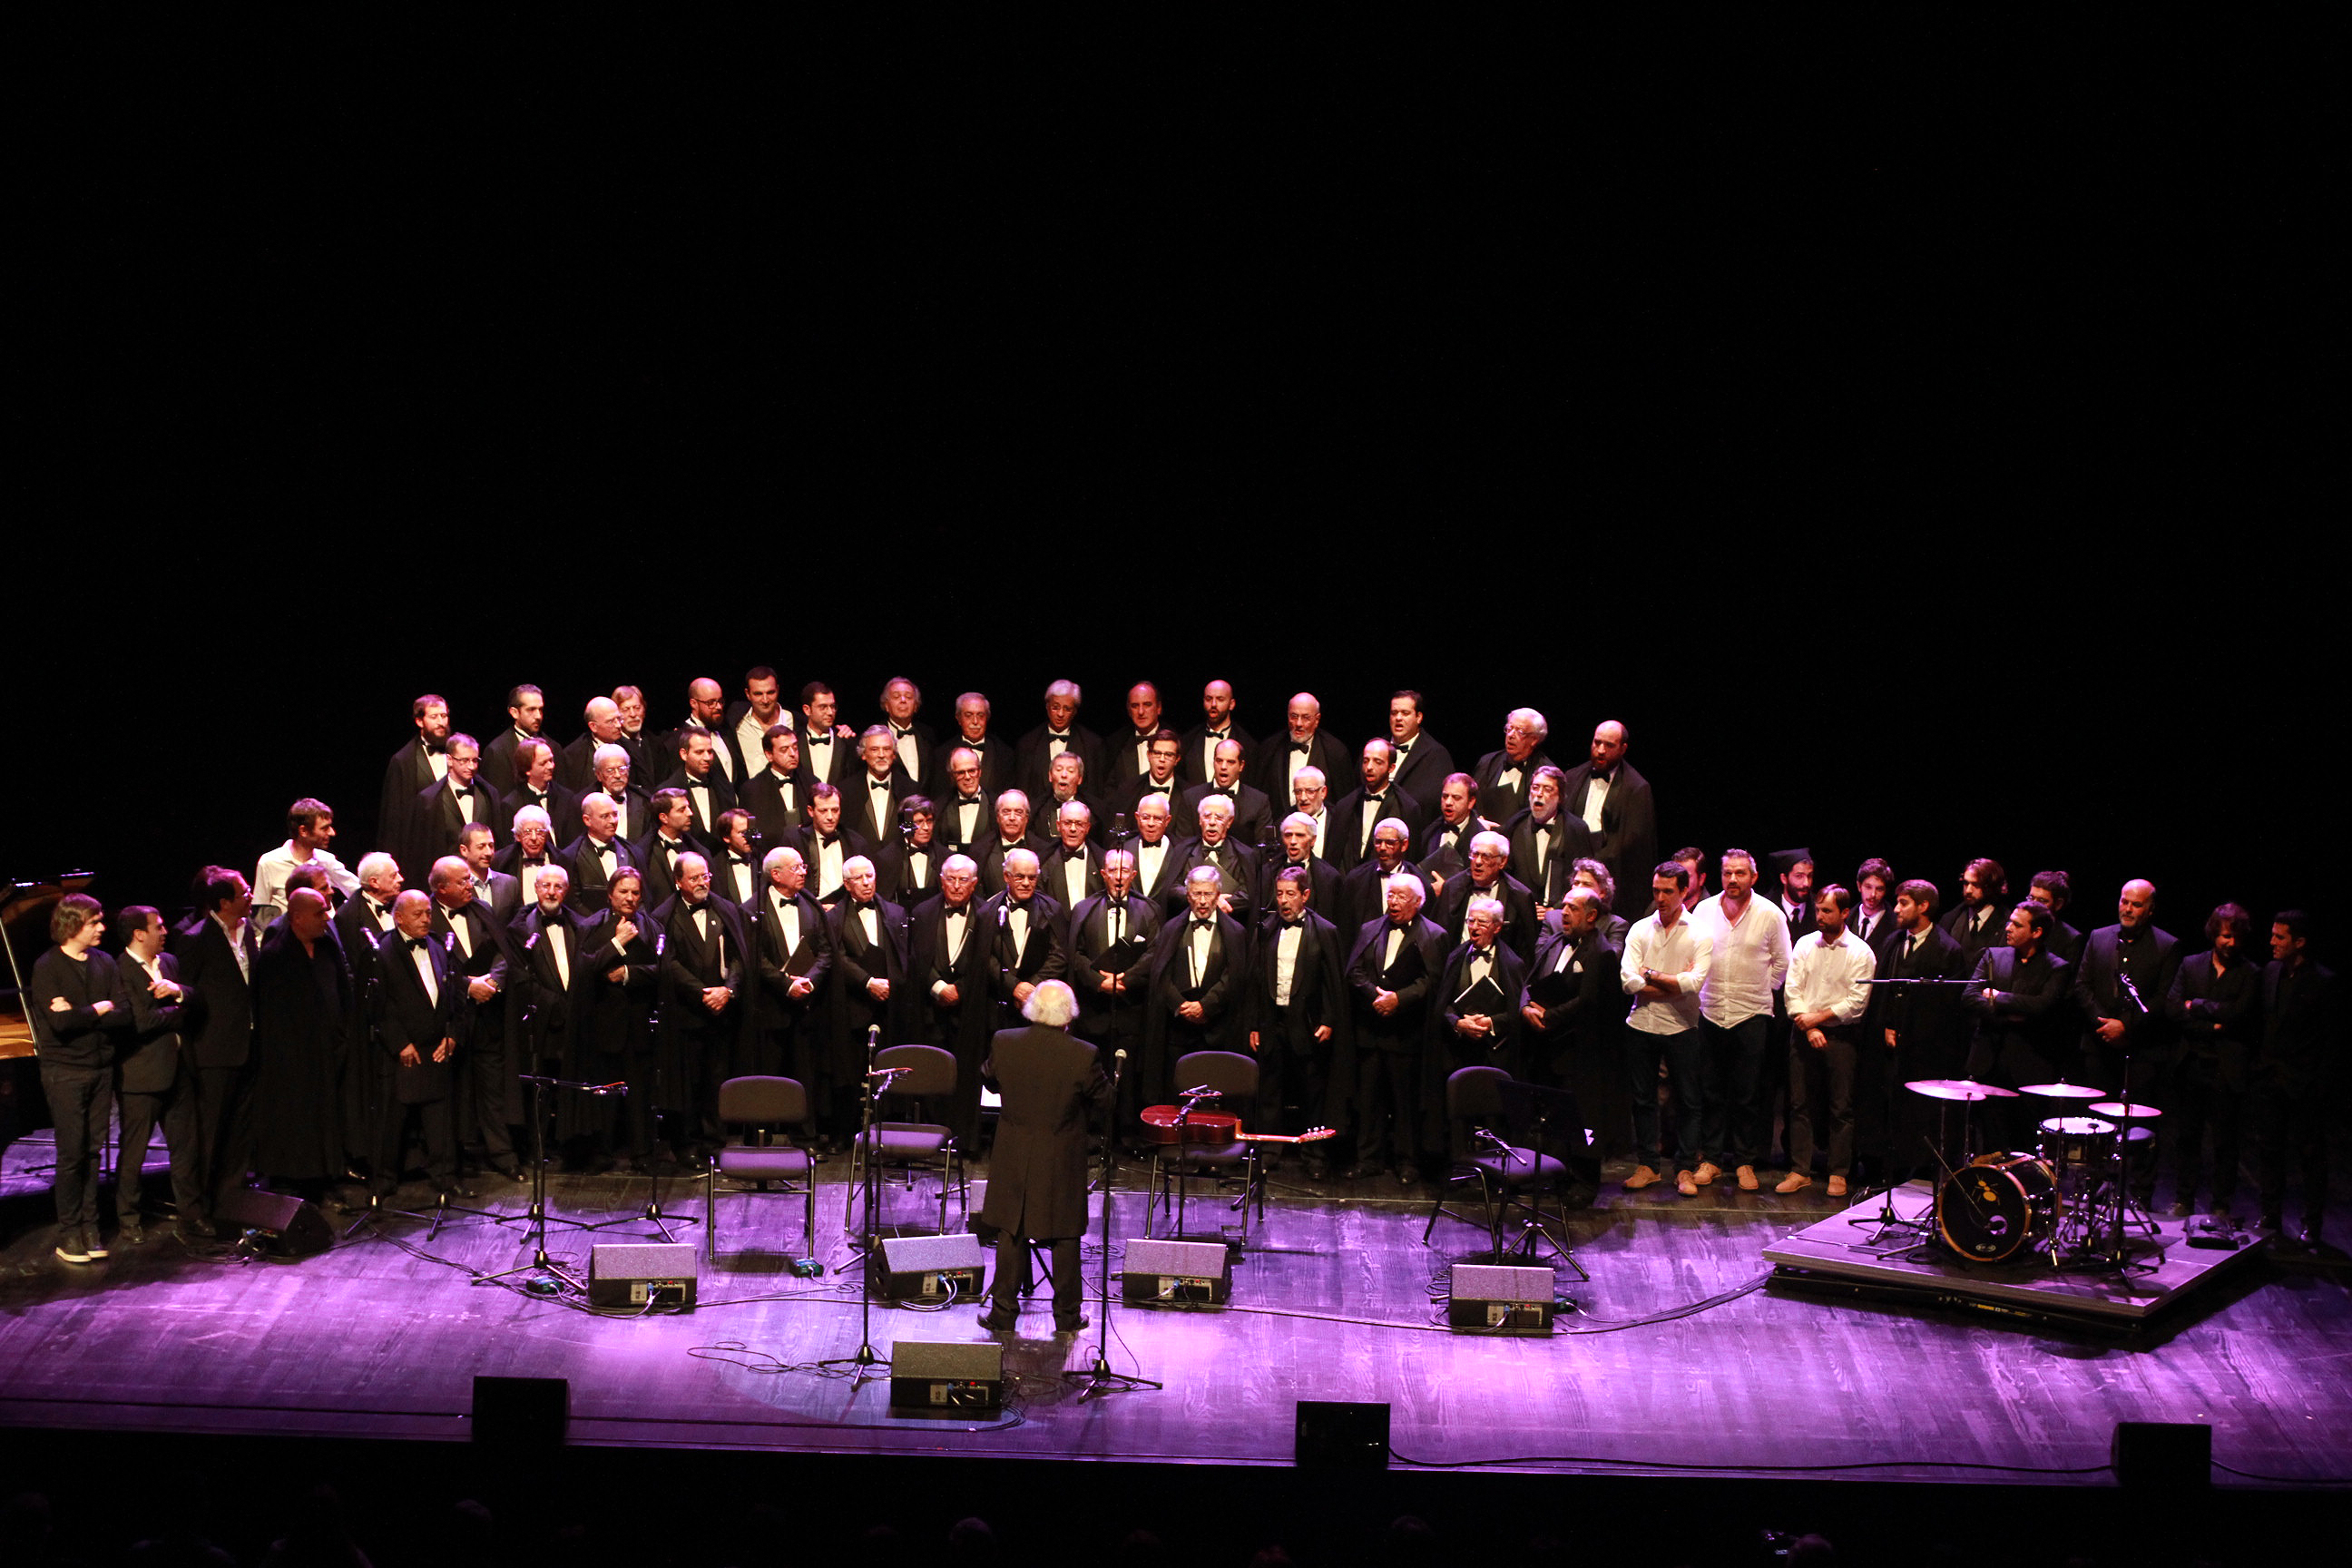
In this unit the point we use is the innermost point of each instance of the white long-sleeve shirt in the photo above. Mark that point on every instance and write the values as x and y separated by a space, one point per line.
1836 978
1750 960
1685 949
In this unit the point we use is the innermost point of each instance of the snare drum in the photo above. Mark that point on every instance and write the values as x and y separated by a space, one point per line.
2077 1143
1996 1206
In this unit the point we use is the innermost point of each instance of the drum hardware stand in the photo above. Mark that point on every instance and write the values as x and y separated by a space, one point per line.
1096 1378
2120 1209
1886 1220
862 1363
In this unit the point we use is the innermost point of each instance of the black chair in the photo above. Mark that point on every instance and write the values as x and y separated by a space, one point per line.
1504 1172
1224 1160
919 1144
765 1108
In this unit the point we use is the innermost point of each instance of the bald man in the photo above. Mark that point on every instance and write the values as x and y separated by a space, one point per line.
1612 799
1200 741
1304 742
2125 973
706 711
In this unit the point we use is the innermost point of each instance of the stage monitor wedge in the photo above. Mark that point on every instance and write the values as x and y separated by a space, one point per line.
1501 1299
930 1269
1174 1274
643 1274
946 1377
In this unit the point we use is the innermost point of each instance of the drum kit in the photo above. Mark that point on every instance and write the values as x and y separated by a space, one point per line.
2067 1197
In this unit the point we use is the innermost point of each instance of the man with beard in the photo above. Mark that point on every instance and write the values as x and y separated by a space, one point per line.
1918 1028
744 731
1666 957
2017 995
552 983
1612 799
414 769
1546 841
1304 745
1749 962
1974 923
310 828
2215 1003
1474 1028
1828 993
1365 808
526 716
1502 774
616 1033
2119 988
1577 968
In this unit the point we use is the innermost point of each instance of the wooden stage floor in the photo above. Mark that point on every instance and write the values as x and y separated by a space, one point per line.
382 1337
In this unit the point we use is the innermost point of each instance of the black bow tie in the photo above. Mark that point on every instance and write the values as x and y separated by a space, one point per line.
1290 925
861 903
461 789
1375 799
1302 746
968 800
698 908
1226 790
958 912
735 859
1203 923
1057 734
415 942
824 840
546 920
435 748
534 860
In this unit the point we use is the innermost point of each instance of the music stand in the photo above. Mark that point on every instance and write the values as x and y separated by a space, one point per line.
1539 1118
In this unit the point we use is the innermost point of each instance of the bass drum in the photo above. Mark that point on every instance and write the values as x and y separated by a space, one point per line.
1996 1206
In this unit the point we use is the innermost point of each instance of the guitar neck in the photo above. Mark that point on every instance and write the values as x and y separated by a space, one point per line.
1316 1136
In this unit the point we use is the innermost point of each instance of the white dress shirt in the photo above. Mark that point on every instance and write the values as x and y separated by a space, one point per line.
1596 795
1836 978
1750 961
1285 962
1683 949
269 878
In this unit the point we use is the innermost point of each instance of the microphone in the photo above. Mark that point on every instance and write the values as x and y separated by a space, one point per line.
1486 1137
1119 1055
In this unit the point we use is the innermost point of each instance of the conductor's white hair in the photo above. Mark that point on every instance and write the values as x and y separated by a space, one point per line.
1052 1004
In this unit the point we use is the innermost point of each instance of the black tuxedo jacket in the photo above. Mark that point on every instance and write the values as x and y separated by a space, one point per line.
1169 878
775 1007
1361 897
1500 1048
705 829
1350 845
970 969
498 760
2099 992
1220 988
1420 964
689 964
662 754
1042 958
1055 880
592 884
855 961
948 814
1196 765
853 845
1570 841
1269 766
736 881
1323 884
1576 1023
1971 939
1451 907
575 766
926 773
1927 1019
989 856
1318 978
434 821
221 1034
1237 875
1087 938
1500 800
1252 813
406 774
1031 759
557 1006
1124 796
1422 773
999 769
485 958
2019 1030
619 1013
655 859
507 866
1120 752
835 764
763 797
858 813
1628 840
1444 848
408 1016
905 876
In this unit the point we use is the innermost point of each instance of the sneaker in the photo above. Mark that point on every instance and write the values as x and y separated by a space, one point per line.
1748 1182
1794 1182
1837 1187
1706 1173
1686 1184
70 1246
1642 1176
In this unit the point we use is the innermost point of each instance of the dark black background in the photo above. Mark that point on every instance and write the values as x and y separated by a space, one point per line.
1914 430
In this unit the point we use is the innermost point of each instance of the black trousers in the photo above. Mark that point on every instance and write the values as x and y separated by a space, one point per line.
175 1109
225 1125
2202 1099
438 1121
2291 1129
1013 1276
1388 1084
1293 1074
80 1100
485 1085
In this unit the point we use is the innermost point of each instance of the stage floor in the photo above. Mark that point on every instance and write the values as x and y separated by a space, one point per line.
1336 1300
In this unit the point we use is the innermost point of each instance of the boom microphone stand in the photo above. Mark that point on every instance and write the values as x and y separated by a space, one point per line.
866 1359
1097 1377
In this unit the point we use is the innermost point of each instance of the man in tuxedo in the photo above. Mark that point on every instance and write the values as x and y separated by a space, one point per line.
2053 890
1012 832
413 770
488 1093
2119 988
1072 867
2017 995
500 893
1051 1084
911 744
1473 1029
1059 734
1919 1028
705 956
360 927
549 982
1110 1011
670 841
965 811
416 1048
998 769
774 795
1310 797
707 792
1027 924
1594 874
1066 780
534 759
1296 853
793 945
633 806
745 727
1873 909
828 748
576 768
1128 756
526 715
156 1078
2302 1046
215 950
1375 800
1159 854
1546 840
950 962
1215 850
868 937
827 846
907 865
1566 1037
1299 1012
706 709
1252 812
1422 762
1444 850
1304 745
616 1033
643 746
1612 799
1487 878
1198 966
1198 746
1502 774
735 874
1394 968
1976 922
597 855
1163 775
870 800
1795 902
445 809
1363 888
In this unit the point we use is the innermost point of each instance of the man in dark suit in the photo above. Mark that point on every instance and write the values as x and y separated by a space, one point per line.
1300 1018
2215 1007
869 801
1565 1036
302 1023
156 1078
1394 968
2300 1059
2053 890
215 950
1472 1030
1303 743
868 936
1065 782
1298 852
706 709
828 748
707 792
950 968
526 715
1058 733
1612 799
1197 746
633 806
1422 762
488 1095
645 751
744 730
1977 922
2018 996
1486 879
967 809
1013 831
500 892
549 983
1216 848
597 855
1362 895
826 846
1198 967
1027 924
913 747
1117 920
794 950
536 789
412 770
446 808
1546 840
706 956
735 874
671 840
1795 900
1126 755
1444 847
615 1031
775 795
1051 1085
1164 776
1502 774
1159 854
531 852
1373 800
1252 812
1310 797
1874 911
909 862
1072 867
415 1047
1919 1030
575 769
998 768
2119 988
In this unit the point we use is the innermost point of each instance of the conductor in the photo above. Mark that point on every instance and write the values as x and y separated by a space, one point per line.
1050 1083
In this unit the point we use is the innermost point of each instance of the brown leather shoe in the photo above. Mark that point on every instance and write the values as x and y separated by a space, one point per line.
1748 1182
1794 1182
1642 1176
1837 1187
1706 1173
1686 1184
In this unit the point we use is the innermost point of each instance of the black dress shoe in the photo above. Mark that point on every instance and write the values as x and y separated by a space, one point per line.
1071 1325
130 1233
989 1320
2311 1233
2183 1210
1408 1176
460 1189
514 1174
1362 1172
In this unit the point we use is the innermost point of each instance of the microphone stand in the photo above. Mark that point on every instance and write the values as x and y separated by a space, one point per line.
1096 1378
866 1359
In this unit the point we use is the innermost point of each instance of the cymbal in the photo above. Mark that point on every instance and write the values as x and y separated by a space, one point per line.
2116 1108
1958 1088
2062 1089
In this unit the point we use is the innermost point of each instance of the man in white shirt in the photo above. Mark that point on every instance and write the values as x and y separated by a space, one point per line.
310 827
1665 970
1828 993
1750 960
